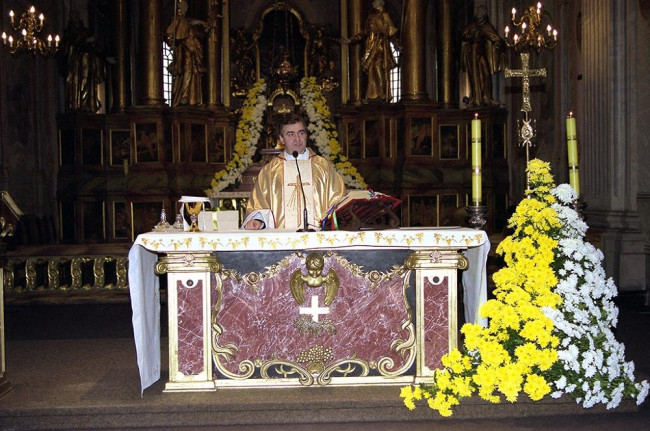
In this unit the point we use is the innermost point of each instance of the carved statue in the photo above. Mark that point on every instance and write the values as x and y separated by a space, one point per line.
314 278
378 59
186 67
244 71
482 55
83 64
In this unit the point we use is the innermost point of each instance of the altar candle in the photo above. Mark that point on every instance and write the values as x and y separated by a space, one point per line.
476 160
572 152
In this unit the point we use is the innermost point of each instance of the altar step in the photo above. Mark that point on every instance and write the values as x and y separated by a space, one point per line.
93 384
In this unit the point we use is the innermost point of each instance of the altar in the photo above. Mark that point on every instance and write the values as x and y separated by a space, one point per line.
281 309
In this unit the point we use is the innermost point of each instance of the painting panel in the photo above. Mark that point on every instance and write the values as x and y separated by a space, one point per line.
147 143
120 147
198 143
421 137
91 147
121 217
216 145
499 141
144 216
449 142
450 212
353 132
372 136
66 147
423 210
93 222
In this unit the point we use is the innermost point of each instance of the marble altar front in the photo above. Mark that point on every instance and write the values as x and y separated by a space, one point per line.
277 308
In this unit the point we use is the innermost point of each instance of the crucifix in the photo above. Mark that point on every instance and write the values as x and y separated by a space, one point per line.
526 129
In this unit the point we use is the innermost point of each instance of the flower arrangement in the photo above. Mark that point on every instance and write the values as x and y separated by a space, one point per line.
548 331
322 131
324 134
593 367
248 133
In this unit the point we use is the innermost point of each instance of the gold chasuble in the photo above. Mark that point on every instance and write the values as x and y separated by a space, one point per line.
278 189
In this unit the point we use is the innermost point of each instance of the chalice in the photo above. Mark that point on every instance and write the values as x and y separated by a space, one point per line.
193 209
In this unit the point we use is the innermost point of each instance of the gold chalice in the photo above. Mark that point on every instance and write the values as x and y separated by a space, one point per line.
193 209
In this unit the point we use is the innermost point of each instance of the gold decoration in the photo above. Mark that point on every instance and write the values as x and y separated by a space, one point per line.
529 40
314 279
306 325
316 358
29 26
193 209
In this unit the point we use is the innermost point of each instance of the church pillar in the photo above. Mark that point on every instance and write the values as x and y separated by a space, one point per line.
355 28
151 52
445 51
608 138
413 65
214 53
120 73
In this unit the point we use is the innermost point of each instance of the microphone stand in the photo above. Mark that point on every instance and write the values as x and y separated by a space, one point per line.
305 225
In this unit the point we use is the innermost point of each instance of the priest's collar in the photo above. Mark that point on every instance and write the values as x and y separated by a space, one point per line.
303 156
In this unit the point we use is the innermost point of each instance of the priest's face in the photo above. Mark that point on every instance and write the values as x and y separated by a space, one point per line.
294 137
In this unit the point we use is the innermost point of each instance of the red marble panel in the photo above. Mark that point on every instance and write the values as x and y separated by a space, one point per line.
262 322
436 320
190 327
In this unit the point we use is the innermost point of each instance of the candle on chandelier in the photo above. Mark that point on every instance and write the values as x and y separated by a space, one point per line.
11 16
572 152
476 160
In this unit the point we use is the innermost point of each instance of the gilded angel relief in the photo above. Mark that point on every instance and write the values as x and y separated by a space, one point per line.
314 278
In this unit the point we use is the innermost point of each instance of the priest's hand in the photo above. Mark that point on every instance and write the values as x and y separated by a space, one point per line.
254 225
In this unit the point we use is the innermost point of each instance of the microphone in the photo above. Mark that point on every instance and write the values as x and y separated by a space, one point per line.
305 225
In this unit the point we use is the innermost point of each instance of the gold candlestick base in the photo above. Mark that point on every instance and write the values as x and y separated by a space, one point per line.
476 216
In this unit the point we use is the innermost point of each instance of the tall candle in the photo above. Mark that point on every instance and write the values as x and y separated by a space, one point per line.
572 152
476 160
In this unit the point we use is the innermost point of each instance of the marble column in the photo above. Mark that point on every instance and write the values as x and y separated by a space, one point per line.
151 52
413 64
608 139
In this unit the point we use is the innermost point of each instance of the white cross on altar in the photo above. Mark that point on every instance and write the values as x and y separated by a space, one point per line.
314 310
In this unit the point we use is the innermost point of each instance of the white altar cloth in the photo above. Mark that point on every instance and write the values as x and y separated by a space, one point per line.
144 284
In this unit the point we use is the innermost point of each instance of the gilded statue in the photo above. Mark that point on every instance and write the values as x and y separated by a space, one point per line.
186 68
482 55
314 278
82 62
244 71
378 59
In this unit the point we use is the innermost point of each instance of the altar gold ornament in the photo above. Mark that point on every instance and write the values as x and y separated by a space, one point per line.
193 209
313 279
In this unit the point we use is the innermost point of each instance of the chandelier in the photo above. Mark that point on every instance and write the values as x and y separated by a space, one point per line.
29 26
526 36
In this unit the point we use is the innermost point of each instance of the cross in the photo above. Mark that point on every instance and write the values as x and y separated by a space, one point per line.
314 310
298 191
525 73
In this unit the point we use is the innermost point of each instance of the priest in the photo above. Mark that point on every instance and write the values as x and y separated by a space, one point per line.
277 200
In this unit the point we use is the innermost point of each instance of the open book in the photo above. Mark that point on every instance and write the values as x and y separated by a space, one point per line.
363 209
